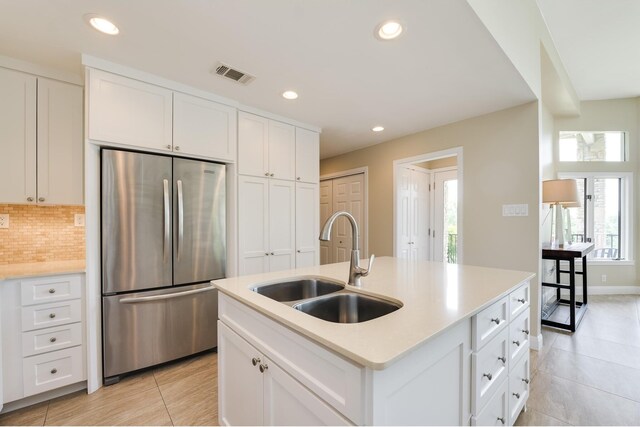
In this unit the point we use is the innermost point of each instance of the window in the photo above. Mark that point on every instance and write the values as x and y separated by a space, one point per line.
592 147
604 217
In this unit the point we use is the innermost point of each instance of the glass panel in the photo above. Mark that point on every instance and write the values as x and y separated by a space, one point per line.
451 220
592 147
575 223
606 218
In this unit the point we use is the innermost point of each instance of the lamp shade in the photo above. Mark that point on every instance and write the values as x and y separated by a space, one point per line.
560 191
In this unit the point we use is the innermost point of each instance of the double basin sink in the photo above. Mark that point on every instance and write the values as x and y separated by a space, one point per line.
327 300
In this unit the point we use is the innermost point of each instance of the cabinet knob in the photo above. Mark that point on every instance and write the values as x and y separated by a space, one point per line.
168 146
489 376
41 199
496 320
298 250
266 253
177 148
266 174
525 331
53 339
522 300
54 371
255 361
517 395
52 291
525 380
517 343
298 178
502 359
29 199
271 174
263 368
271 253
52 315
501 420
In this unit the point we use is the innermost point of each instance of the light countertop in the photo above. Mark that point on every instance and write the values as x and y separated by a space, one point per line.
435 296
35 269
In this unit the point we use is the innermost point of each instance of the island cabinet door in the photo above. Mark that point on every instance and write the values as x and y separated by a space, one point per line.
289 403
240 383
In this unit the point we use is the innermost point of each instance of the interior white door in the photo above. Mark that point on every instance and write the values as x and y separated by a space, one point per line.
419 217
253 143
403 222
17 137
326 209
348 195
253 233
307 225
442 182
60 144
307 155
282 226
282 151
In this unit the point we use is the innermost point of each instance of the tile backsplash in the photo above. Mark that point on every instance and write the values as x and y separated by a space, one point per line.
41 233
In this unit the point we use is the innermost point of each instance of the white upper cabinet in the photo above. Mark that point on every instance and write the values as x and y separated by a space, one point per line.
60 145
266 147
129 112
203 128
17 137
307 155
253 143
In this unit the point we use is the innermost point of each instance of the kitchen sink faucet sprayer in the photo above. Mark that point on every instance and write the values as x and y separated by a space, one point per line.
355 271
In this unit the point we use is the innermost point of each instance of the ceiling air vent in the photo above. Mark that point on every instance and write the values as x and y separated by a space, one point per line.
238 76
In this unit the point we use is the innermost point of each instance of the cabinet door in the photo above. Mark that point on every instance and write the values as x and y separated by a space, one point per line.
17 137
129 112
282 151
203 128
289 403
326 209
282 217
253 215
307 156
60 159
240 383
252 145
307 224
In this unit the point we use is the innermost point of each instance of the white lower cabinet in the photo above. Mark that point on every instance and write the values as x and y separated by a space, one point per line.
496 413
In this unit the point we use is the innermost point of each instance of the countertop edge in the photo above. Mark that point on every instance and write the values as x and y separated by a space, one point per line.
53 268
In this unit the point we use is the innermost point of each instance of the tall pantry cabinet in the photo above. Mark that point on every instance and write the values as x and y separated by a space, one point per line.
278 202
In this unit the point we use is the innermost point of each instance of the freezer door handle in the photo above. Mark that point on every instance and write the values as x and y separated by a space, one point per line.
180 218
167 218
166 296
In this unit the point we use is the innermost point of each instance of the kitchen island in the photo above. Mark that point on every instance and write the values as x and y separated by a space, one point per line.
442 358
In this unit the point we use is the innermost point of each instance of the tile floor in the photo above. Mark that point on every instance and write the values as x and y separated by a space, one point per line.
591 377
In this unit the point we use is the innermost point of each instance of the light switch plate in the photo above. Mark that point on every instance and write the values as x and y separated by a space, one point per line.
78 220
515 210
4 220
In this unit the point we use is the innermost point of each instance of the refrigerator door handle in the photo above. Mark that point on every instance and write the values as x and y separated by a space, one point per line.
167 219
166 296
180 218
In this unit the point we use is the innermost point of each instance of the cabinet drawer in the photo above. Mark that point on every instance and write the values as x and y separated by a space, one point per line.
334 379
52 314
519 300
50 289
496 412
52 370
49 339
518 388
489 322
489 367
519 336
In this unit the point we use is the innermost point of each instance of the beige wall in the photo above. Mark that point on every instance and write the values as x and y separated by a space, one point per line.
439 163
614 114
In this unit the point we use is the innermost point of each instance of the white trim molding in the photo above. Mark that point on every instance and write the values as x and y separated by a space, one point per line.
536 342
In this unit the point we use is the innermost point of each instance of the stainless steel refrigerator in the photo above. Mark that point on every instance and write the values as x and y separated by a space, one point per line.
163 240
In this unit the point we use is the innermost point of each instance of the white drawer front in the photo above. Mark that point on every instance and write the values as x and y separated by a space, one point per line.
496 413
489 367
518 388
52 370
519 336
519 300
50 289
50 339
489 322
52 314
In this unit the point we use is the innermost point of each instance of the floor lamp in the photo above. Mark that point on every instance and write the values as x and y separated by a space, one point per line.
560 192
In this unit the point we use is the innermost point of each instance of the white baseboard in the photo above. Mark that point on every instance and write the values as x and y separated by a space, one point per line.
608 290
536 342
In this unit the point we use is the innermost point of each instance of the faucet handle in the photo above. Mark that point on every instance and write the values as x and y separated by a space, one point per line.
370 266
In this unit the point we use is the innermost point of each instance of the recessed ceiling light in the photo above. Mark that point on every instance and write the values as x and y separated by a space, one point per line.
289 94
388 30
377 129
101 24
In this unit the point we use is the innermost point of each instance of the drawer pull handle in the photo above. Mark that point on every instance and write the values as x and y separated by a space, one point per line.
501 420
53 339
52 291
517 395
489 376
54 371
496 320
522 300
525 331
263 368
517 343
255 361
502 359
52 315
525 380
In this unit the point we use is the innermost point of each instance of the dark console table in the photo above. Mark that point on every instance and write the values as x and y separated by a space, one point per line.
576 308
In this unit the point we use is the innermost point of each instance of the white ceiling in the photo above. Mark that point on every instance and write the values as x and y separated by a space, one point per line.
444 68
599 43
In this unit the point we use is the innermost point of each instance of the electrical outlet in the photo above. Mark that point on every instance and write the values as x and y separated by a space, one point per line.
78 220
604 278
4 220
